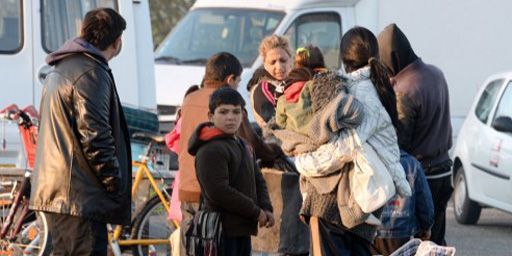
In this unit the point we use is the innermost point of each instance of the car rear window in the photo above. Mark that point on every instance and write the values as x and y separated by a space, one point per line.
505 105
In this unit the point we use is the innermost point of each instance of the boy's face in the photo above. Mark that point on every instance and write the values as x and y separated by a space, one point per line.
227 118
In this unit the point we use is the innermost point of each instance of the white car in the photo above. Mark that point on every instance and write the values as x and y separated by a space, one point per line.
483 154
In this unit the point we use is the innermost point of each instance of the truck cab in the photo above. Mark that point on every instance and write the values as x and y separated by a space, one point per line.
30 30
238 27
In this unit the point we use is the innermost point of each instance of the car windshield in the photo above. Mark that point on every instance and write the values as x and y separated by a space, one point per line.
206 31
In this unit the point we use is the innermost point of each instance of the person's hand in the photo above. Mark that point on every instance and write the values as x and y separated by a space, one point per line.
270 219
284 164
262 218
403 188
110 184
424 235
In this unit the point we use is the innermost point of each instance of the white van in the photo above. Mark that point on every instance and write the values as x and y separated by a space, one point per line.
238 27
29 30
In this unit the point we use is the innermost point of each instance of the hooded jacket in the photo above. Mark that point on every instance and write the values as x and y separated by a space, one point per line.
264 91
194 111
230 180
422 100
83 147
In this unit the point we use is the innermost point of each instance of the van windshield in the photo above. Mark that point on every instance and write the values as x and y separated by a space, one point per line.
61 20
203 32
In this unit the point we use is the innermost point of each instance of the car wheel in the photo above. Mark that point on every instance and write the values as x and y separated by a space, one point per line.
466 211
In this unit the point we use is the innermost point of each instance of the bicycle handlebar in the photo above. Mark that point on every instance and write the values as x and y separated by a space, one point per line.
23 117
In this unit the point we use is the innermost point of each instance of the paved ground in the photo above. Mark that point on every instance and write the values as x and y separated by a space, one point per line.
492 235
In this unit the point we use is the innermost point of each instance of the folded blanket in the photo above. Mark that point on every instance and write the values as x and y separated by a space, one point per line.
342 112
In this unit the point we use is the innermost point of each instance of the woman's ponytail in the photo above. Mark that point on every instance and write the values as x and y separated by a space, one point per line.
380 79
359 48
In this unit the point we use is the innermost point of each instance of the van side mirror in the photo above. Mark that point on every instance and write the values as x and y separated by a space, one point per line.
503 124
43 72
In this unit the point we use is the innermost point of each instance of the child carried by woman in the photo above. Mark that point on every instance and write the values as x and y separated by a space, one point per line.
317 114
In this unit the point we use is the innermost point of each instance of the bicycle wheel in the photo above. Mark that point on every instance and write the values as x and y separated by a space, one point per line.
152 223
33 237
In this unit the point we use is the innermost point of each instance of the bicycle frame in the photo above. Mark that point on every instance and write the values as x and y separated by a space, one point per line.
19 208
142 171
17 204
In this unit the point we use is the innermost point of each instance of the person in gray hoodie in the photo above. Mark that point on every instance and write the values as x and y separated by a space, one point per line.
424 114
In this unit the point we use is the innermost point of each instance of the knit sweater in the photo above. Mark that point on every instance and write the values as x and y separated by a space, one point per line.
302 101
329 198
330 110
376 129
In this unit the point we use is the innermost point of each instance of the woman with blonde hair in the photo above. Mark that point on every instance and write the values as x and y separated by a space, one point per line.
268 82
266 86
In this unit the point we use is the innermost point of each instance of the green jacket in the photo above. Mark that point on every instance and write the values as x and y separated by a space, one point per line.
296 116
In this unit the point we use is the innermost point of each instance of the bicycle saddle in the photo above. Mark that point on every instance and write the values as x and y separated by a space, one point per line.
159 139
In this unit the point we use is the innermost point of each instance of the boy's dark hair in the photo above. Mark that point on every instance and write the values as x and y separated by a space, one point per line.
221 65
225 96
298 75
191 89
309 57
101 27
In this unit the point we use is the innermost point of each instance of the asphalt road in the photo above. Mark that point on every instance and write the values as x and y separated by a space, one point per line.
492 235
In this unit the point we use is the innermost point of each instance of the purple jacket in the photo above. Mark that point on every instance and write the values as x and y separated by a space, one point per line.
422 101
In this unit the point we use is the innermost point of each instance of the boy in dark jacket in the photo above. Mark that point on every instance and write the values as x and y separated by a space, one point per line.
230 181
222 69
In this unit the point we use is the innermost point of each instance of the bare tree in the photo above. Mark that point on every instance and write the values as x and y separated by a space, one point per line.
165 14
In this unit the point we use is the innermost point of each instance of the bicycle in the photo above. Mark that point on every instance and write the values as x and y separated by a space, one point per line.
150 229
23 231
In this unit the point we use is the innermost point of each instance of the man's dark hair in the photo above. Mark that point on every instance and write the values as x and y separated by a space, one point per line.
101 27
225 96
221 65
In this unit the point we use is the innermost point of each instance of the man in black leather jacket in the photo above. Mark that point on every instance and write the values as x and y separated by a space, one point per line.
82 175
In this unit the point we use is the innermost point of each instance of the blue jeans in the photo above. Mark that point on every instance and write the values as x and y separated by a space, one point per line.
237 246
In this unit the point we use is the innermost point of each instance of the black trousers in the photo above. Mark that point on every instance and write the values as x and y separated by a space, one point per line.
237 246
441 192
387 246
335 241
76 236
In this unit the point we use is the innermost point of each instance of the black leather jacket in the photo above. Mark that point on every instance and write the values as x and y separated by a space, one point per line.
83 147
